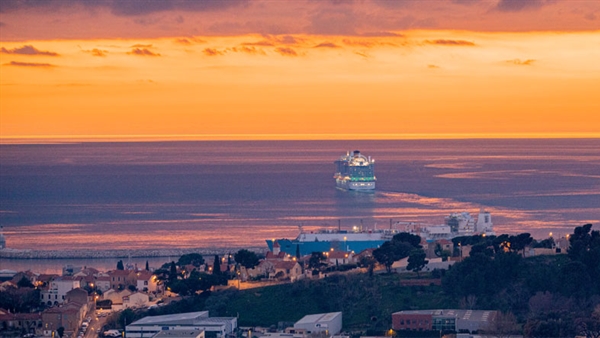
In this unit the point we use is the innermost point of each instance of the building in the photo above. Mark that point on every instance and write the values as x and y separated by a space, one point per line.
68 316
57 289
330 323
337 257
151 325
20 322
442 320
146 281
78 296
136 300
180 334
121 279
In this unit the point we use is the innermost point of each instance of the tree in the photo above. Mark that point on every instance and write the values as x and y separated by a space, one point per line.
194 259
217 266
24 282
317 261
520 242
147 266
246 258
172 272
392 251
444 254
505 325
60 331
298 251
417 261
120 265
411 239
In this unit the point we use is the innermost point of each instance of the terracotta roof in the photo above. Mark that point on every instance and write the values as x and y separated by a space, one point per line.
119 272
443 241
284 264
144 275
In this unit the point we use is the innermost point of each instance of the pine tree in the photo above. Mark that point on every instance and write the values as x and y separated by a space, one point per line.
120 265
298 251
217 266
147 266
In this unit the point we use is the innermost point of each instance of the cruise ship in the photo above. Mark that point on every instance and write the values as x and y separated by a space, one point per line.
354 171
358 239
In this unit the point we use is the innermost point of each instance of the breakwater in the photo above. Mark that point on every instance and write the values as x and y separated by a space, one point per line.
121 253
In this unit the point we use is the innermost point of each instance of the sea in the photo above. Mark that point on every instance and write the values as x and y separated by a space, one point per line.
236 194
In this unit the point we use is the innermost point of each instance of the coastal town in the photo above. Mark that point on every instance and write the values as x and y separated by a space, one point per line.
141 301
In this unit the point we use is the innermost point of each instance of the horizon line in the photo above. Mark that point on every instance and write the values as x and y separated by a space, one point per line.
45 139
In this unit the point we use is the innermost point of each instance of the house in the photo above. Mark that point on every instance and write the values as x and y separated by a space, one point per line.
146 281
121 279
58 288
20 322
337 257
68 316
102 283
285 270
151 325
136 300
30 276
116 297
330 323
78 295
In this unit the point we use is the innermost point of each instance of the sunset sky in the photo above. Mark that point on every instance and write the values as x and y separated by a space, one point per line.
306 69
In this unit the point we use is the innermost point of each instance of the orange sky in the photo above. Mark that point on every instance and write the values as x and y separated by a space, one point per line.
310 83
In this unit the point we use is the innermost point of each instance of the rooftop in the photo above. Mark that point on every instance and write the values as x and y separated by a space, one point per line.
174 318
179 334
316 318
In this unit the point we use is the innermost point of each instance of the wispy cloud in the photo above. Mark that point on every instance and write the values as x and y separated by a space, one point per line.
189 41
443 42
29 64
520 62
519 5
286 51
27 50
248 50
212 52
264 43
141 46
96 52
327 45
142 52
433 66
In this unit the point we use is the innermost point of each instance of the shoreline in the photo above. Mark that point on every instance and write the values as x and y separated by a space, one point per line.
26 254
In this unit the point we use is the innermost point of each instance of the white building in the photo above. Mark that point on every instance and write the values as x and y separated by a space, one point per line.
146 281
57 290
180 334
330 323
151 325
136 300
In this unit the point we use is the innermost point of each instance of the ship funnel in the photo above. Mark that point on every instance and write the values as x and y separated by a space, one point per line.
356 152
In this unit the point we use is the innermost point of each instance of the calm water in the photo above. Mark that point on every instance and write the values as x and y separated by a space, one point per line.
231 194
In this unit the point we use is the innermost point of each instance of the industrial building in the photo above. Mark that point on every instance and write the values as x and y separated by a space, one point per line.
442 320
194 321
330 323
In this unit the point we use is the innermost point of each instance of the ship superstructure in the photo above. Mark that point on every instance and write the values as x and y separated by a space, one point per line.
355 171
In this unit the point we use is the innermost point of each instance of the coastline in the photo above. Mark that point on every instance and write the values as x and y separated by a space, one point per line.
20 254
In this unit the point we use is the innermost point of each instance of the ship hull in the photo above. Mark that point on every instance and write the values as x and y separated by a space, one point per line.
351 185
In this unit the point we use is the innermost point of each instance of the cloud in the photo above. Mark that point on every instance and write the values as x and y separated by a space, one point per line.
519 5
123 7
142 52
519 62
29 64
286 51
249 50
27 50
141 46
2 24
433 66
381 34
212 52
258 43
443 42
96 52
327 45
466 2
